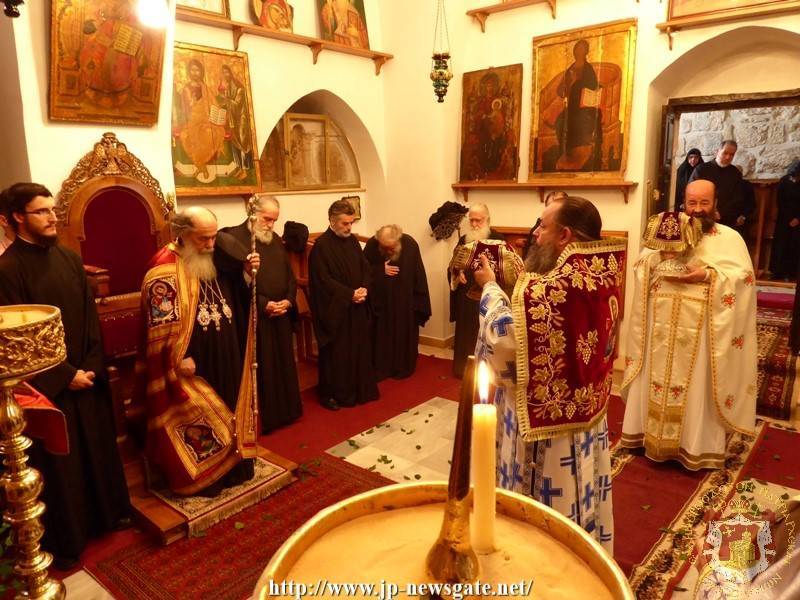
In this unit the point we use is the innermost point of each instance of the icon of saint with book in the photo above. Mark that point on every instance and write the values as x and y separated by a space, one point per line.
203 135
578 122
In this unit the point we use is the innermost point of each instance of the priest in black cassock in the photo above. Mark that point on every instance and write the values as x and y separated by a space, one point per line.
733 205
278 389
785 258
193 372
339 280
84 491
463 308
400 301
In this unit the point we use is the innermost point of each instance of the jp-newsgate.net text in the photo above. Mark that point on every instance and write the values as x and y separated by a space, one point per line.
386 590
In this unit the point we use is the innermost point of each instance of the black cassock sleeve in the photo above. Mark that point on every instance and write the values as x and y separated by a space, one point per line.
422 299
375 264
12 291
330 299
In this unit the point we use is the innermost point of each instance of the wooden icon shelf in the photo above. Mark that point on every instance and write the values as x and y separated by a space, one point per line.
671 26
542 185
316 45
481 14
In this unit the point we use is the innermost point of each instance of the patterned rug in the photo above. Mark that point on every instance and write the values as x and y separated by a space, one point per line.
777 365
667 568
201 512
225 561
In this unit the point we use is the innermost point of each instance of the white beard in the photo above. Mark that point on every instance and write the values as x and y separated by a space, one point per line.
473 235
199 264
263 236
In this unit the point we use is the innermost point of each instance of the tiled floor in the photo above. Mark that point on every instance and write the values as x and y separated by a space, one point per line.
416 445
446 353
82 586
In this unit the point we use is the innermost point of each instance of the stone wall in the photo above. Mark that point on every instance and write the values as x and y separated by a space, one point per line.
768 137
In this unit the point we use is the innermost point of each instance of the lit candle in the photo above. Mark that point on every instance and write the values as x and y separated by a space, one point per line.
484 428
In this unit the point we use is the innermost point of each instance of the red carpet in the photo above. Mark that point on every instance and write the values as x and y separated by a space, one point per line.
226 562
647 496
319 429
776 299
769 458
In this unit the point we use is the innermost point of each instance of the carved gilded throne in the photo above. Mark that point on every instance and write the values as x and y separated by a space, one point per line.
112 212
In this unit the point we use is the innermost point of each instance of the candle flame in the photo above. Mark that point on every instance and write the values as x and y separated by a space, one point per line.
484 379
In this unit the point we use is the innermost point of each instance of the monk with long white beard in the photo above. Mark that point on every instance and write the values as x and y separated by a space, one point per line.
193 372
278 388
463 308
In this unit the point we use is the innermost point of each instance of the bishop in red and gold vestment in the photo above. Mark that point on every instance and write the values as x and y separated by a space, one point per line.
552 348
193 370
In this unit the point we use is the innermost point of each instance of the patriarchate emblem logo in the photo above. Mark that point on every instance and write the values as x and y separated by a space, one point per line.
739 548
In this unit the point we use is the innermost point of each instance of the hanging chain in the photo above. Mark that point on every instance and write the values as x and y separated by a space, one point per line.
438 38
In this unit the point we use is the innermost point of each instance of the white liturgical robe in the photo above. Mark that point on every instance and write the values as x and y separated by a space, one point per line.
691 362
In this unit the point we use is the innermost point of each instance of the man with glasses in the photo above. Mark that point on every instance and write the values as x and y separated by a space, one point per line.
85 490
278 389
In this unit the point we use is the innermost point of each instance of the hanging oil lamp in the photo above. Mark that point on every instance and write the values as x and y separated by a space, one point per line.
441 74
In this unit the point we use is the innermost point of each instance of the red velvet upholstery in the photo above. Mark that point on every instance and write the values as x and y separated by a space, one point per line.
118 238
121 333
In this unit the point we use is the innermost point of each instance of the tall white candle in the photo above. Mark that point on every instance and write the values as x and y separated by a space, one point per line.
484 427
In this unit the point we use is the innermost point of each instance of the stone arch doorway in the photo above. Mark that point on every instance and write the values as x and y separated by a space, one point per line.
747 68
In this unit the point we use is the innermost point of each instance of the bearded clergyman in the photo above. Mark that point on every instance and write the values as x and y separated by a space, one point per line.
278 388
85 491
463 302
194 364
691 361
551 348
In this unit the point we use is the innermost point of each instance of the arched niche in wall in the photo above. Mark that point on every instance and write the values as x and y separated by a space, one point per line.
320 144
308 151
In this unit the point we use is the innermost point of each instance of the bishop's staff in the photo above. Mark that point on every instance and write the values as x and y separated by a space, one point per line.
251 213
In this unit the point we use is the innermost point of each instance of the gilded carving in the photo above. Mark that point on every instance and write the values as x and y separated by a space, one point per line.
109 157
30 348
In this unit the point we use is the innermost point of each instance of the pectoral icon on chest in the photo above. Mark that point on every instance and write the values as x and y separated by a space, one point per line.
211 302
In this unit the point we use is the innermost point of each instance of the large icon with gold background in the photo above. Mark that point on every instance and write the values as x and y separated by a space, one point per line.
213 133
105 65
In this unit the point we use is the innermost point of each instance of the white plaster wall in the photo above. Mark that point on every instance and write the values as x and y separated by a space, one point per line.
406 143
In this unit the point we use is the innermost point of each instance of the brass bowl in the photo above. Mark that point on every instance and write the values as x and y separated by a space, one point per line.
31 341
413 495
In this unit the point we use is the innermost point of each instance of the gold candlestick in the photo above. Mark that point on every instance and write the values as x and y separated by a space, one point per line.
31 341
452 559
